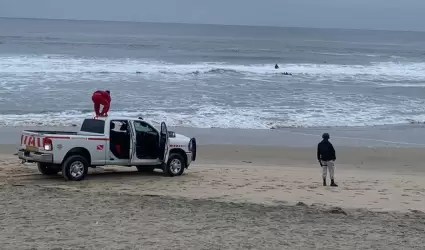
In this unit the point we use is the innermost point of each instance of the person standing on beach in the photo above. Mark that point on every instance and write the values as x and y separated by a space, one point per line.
101 98
326 157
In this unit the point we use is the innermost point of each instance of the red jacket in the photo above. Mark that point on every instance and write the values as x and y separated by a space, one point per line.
101 98
98 95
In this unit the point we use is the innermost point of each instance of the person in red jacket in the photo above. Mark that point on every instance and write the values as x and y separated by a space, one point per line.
101 98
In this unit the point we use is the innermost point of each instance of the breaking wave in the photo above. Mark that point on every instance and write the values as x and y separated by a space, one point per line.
55 64
211 117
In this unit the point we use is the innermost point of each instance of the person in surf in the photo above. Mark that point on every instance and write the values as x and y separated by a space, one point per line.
276 66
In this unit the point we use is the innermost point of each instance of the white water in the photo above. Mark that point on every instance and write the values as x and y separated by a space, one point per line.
55 64
213 94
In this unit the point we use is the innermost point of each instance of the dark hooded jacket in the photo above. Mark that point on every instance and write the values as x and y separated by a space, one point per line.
325 151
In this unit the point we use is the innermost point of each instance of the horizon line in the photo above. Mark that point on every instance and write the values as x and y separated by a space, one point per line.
212 24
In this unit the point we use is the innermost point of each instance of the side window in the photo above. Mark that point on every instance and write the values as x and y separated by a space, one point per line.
144 128
119 126
93 126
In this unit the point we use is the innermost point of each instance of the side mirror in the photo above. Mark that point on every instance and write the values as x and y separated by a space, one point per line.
163 128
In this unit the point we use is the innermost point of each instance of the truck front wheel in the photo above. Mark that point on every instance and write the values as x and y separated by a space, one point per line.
174 166
75 168
48 169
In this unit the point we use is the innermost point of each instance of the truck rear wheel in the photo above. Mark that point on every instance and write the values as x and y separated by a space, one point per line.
48 169
175 165
75 168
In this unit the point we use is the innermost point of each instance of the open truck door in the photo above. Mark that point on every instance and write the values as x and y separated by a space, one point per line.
164 142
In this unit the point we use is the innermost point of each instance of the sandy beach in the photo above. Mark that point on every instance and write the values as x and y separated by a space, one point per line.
233 197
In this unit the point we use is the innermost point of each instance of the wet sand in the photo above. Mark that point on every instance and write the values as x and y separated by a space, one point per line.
233 197
380 136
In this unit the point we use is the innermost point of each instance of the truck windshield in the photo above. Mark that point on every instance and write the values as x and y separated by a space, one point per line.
93 126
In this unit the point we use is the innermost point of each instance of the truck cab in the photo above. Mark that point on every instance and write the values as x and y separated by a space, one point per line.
129 141
104 141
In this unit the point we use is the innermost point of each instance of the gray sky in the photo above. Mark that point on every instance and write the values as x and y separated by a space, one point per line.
357 14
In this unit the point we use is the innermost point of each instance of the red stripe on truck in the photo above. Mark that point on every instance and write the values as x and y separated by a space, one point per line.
38 141
98 139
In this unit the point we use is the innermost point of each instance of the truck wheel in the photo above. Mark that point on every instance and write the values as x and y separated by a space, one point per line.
48 169
75 168
145 169
175 165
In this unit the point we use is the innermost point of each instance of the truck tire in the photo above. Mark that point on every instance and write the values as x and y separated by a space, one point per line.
175 165
48 169
145 169
75 168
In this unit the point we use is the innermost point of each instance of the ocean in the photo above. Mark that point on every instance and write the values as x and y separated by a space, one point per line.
210 76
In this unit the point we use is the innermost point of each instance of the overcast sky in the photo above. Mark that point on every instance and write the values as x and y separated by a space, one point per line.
358 14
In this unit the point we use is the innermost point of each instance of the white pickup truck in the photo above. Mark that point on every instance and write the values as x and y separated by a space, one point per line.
108 141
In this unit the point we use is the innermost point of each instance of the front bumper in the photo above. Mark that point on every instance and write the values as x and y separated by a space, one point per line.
189 158
29 156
